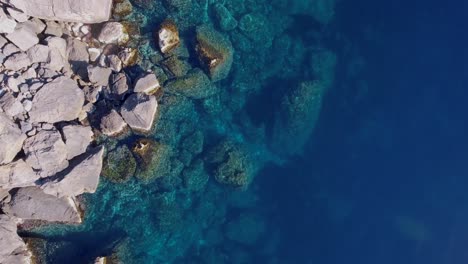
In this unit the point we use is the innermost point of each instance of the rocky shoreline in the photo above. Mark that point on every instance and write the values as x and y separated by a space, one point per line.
59 81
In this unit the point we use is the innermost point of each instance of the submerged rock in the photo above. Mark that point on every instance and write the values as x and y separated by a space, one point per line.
119 165
215 52
153 158
82 11
81 177
195 85
31 203
168 36
225 19
59 100
11 139
139 111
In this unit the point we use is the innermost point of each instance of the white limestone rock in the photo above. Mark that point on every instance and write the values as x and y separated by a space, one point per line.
46 152
113 33
18 15
11 139
114 62
59 100
17 61
53 28
147 84
23 36
7 25
78 56
31 203
92 93
10 105
99 75
13 250
112 124
84 11
17 174
10 49
81 177
139 111
3 42
38 53
77 139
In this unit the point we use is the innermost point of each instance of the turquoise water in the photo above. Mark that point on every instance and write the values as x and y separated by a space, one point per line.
342 121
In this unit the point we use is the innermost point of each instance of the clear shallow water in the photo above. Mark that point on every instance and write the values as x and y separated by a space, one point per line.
382 180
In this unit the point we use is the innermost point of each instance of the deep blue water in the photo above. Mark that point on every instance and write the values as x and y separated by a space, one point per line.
383 178
395 160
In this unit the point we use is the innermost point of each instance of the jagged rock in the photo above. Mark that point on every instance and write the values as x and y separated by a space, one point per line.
17 174
195 85
53 28
17 61
113 32
36 25
23 37
94 54
92 93
13 250
118 87
10 49
31 203
168 35
128 56
112 124
59 100
99 75
11 139
77 139
114 62
38 53
7 25
46 152
84 11
58 56
147 84
139 111
78 56
215 52
81 177
10 105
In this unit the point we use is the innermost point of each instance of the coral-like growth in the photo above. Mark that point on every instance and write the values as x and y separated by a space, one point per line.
215 52
195 85
122 8
119 165
231 164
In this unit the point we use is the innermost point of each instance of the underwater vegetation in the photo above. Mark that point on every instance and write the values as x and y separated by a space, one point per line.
240 88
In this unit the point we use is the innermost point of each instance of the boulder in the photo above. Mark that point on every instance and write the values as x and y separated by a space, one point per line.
38 53
99 75
7 25
11 139
81 177
77 139
92 93
113 33
225 19
18 15
215 52
59 100
17 61
78 56
17 174
31 203
112 124
118 87
83 11
23 36
139 111
10 105
147 84
12 247
46 152
168 36
194 85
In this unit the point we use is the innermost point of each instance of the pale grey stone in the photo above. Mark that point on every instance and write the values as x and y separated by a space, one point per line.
10 105
99 75
18 15
38 53
78 56
84 11
59 100
4 196
13 250
147 84
23 37
17 61
113 33
77 139
53 28
11 139
31 203
92 93
10 49
7 25
26 126
36 25
112 124
81 177
118 87
139 111
94 54
3 42
114 62
17 174
46 152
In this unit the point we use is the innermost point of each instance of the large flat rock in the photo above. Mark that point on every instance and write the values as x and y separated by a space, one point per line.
139 111
17 174
81 177
84 11
46 152
77 139
31 203
11 139
59 100
12 247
